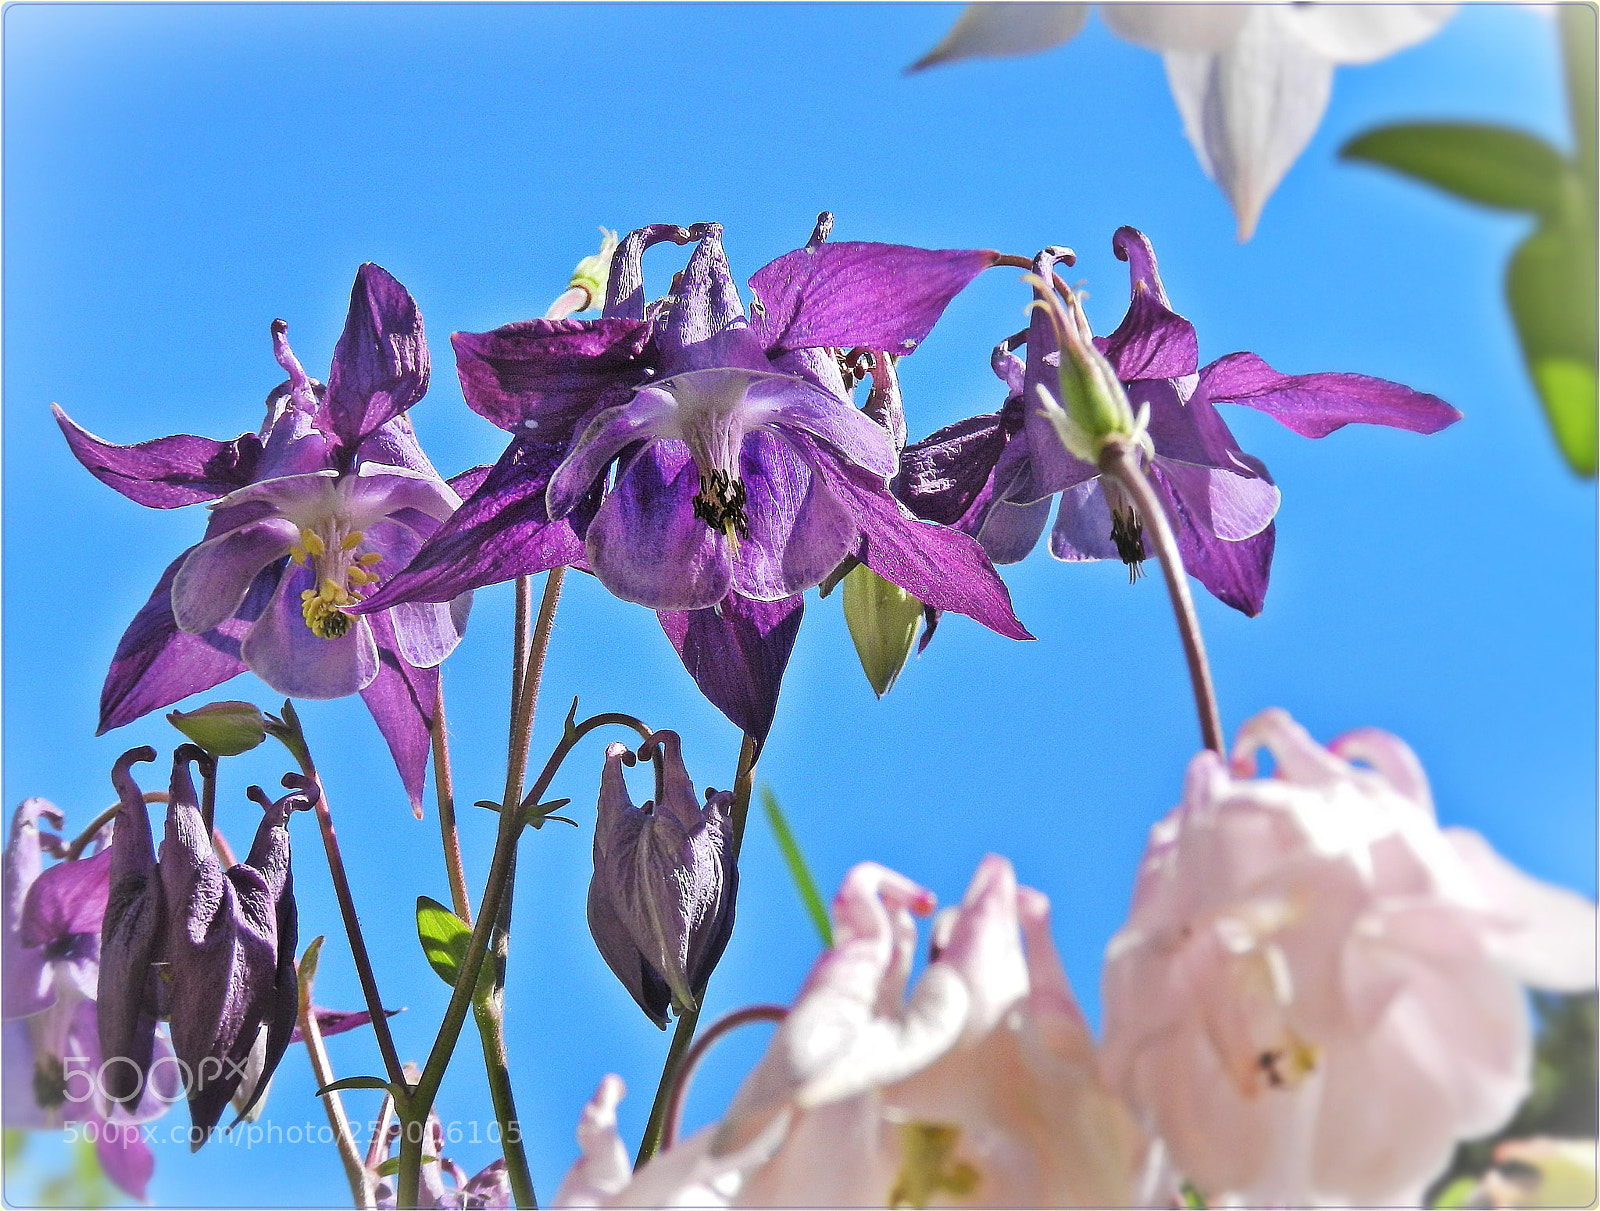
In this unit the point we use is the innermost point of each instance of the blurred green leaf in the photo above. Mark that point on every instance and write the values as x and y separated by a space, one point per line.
1492 165
798 871
444 938
1578 55
1456 1193
353 1082
1550 288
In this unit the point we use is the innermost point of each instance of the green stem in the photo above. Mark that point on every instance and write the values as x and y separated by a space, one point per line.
1120 460
81 841
355 1171
444 788
743 782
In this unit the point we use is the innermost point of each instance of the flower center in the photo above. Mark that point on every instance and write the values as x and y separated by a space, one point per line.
928 1166
720 504
344 575
1127 528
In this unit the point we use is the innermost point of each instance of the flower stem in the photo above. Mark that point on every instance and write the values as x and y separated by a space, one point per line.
1120 460
679 1051
528 655
444 788
723 1025
81 842
355 1170
296 744
511 825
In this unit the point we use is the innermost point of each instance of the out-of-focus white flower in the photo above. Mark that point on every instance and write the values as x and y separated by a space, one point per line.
1318 991
1251 80
981 1089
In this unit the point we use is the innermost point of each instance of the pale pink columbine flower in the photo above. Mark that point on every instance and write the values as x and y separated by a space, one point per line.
980 1089
1318 991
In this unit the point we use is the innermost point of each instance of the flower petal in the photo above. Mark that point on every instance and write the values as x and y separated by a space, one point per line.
69 898
737 652
625 287
168 472
1164 27
939 566
652 412
1232 507
156 664
552 372
647 546
1152 341
1235 573
213 580
881 296
604 1168
1250 108
401 698
853 433
425 632
799 531
282 651
1314 405
941 475
706 329
991 30
500 532
1010 531
126 1160
380 365
1083 524
1365 33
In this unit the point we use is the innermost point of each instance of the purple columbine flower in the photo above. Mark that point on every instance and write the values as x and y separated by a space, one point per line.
489 1188
994 475
52 1059
661 902
307 517
226 939
697 460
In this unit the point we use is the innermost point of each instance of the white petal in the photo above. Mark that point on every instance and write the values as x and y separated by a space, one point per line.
1250 109
1364 33
987 31
1163 27
603 1169
1545 935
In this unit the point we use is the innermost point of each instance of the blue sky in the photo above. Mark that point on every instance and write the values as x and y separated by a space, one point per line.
177 176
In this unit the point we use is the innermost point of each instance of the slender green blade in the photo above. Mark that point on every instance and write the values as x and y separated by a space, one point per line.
798 871
1492 165
345 1083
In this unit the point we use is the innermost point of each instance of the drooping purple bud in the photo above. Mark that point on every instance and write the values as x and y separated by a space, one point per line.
131 941
230 946
661 902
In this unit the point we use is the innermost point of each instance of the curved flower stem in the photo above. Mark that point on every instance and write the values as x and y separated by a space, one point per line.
444 787
355 1170
1120 460
678 1053
296 744
510 830
724 1025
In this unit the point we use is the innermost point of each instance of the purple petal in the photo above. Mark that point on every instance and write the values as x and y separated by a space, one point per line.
649 413
17 1066
1232 507
848 430
1185 427
1133 246
500 532
881 296
625 289
1151 341
126 1160
490 1187
1235 573
1314 405
25 988
394 443
401 699
617 948
376 491
939 566
425 632
212 581
1083 525
647 546
282 650
168 472
941 475
799 531
706 328
1010 531
338 1021
553 372
156 664
380 365
737 653
69 898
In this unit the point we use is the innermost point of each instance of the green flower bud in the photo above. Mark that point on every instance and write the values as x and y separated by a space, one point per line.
882 618
223 729
594 271
1093 404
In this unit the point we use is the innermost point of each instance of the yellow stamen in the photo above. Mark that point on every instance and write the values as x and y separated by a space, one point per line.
352 540
312 541
370 558
298 554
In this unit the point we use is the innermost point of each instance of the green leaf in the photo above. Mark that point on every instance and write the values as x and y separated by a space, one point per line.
1491 165
1550 288
353 1082
444 938
798 871
1192 1196
1578 54
1456 1193
392 1166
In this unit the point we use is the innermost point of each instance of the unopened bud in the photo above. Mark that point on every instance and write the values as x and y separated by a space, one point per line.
1093 405
882 618
587 286
223 729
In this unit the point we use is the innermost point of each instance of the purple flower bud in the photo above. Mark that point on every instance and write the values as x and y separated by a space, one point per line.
662 898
